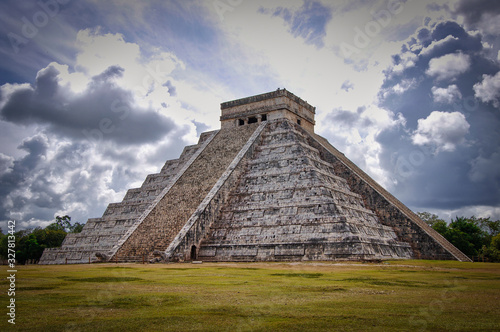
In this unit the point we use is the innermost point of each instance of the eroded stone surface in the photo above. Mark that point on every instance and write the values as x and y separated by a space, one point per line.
99 235
172 212
290 205
263 188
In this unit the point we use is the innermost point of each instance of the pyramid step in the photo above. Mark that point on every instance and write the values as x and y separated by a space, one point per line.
187 193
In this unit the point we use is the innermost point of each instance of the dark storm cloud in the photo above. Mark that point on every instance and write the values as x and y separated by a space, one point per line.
473 10
32 35
434 158
73 176
6 163
343 117
102 112
109 73
483 16
36 148
309 22
444 39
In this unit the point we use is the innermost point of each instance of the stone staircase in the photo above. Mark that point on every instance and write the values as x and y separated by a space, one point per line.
99 235
290 205
164 221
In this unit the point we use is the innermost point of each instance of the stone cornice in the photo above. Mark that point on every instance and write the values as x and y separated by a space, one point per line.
265 96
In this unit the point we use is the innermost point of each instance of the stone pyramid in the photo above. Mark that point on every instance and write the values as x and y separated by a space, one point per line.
264 187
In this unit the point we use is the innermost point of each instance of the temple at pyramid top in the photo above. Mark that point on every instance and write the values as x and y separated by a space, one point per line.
279 104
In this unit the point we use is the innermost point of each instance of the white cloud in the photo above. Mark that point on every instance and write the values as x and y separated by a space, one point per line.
436 44
100 51
408 60
446 95
448 66
6 163
479 211
442 129
354 133
75 81
489 89
403 86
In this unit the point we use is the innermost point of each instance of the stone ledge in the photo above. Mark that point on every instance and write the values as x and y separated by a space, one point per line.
265 96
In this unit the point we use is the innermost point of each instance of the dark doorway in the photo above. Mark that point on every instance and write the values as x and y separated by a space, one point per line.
253 119
193 253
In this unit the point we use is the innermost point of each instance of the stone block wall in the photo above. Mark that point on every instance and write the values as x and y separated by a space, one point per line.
425 242
278 104
100 235
171 213
290 205
186 244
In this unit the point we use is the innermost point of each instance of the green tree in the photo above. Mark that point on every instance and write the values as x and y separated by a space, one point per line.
22 244
495 242
441 227
463 233
472 232
54 227
492 252
430 218
64 222
49 238
3 246
33 249
76 227
30 243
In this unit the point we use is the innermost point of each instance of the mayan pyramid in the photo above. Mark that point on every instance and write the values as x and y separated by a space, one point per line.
264 187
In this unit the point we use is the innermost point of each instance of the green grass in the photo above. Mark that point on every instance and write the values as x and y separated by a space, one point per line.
315 296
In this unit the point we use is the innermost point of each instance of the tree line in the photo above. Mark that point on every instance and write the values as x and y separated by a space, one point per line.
30 243
475 237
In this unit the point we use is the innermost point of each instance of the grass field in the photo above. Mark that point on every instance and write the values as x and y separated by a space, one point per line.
393 295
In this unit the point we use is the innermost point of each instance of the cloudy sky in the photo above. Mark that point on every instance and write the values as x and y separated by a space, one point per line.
95 95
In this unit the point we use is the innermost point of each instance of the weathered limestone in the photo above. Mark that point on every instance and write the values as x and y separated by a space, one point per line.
280 104
426 243
172 212
263 188
290 205
100 235
193 232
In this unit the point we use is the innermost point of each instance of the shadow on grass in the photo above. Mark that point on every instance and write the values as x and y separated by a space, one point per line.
299 275
132 302
403 283
101 279
34 288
